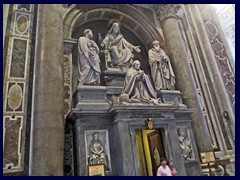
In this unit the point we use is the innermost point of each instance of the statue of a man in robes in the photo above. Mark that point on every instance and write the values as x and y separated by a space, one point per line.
88 60
119 48
161 70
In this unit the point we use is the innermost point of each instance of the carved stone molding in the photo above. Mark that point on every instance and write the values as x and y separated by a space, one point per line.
167 10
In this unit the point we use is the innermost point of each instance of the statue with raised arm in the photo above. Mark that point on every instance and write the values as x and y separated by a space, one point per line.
161 70
88 60
119 48
138 87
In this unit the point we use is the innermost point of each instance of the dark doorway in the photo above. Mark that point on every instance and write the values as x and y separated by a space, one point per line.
156 149
150 149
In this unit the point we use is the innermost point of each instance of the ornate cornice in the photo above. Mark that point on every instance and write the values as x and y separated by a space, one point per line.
167 10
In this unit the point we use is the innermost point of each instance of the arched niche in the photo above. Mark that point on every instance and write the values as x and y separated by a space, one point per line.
137 28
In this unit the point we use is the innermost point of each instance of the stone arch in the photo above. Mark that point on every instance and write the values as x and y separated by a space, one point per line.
136 27
129 16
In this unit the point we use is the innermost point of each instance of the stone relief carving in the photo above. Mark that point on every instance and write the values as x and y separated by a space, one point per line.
88 60
167 10
185 144
119 49
98 148
67 83
137 87
96 153
161 70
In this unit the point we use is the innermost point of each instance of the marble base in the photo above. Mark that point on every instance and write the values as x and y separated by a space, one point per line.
114 77
96 94
171 96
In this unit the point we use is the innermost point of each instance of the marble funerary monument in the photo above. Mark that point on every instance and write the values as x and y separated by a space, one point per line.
118 87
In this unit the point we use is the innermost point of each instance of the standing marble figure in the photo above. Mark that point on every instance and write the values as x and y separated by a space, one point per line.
185 144
120 49
161 69
88 60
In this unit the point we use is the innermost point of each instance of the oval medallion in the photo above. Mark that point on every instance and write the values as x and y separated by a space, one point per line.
15 96
22 24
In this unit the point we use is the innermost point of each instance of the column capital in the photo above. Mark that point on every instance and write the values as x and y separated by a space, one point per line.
167 10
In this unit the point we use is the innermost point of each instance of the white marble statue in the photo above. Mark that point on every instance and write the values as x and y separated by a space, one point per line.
137 87
185 144
119 48
88 60
161 70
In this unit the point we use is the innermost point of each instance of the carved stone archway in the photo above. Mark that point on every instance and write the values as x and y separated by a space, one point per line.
136 27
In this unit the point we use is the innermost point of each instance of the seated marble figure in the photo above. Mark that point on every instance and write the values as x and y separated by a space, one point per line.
96 151
119 48
137 87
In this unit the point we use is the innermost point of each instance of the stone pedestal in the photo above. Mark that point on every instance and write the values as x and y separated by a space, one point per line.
117 126
171 96
89 94
114 77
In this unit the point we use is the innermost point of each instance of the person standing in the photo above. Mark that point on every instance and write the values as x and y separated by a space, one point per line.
88 60
172 168
164 170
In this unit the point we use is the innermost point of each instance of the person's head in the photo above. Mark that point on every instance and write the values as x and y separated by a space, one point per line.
95 136
136 64
170 163
156 45
163 162
111 22
88 33
181 132
115 28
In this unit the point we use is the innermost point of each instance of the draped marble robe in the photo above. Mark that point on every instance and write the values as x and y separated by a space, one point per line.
120 49
88 61
138 87
161 70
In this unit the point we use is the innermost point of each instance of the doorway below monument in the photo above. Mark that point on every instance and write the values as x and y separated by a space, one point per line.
150 149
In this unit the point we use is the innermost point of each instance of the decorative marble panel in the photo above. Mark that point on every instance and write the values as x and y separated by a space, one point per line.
93 143
14 97
222 59
18 58
25 7
67 83
12 131
22 24
223 62
18 74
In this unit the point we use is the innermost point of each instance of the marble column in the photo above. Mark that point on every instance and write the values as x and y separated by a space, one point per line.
184 78
47 129
213 69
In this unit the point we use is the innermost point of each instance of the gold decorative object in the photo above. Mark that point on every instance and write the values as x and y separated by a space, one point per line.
149 123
